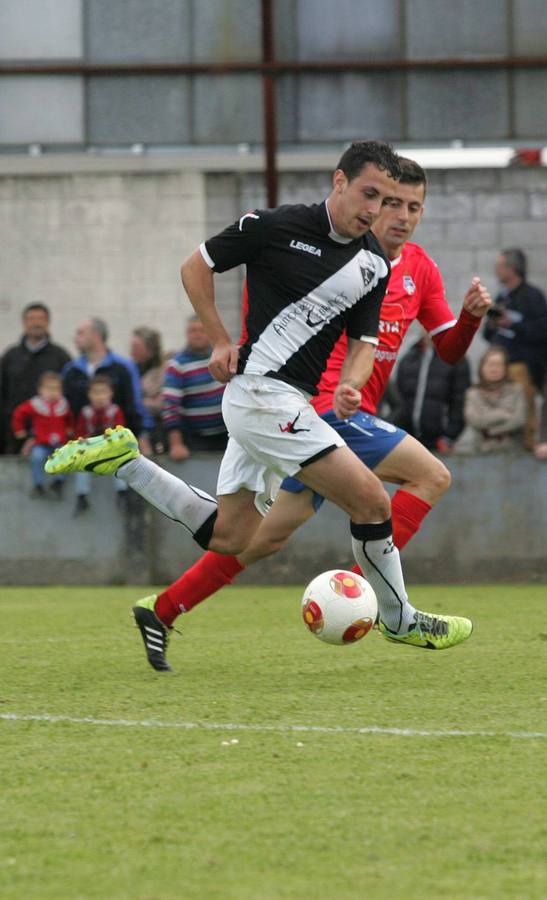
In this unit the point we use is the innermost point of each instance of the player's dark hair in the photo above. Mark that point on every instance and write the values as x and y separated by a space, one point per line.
412 173
361 153
30 306
516 258
49 376
99 379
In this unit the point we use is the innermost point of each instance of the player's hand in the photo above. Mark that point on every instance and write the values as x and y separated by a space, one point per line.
540 451
477 301
223 362
346 400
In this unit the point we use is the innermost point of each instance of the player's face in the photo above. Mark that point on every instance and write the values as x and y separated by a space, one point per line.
396 223
355 205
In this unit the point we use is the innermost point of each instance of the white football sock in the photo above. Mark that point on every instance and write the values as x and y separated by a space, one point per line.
378 557
187 505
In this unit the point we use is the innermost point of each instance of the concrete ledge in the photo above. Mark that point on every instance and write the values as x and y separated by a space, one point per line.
489 527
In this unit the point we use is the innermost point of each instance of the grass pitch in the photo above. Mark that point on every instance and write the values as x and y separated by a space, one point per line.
114 795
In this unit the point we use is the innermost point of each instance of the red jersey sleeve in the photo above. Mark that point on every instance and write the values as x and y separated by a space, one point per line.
452 345
244 311
434 314
450 337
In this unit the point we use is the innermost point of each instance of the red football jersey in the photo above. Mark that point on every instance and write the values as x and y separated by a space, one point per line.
415 291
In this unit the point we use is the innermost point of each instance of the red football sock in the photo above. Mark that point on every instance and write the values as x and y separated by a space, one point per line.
407 512
204 578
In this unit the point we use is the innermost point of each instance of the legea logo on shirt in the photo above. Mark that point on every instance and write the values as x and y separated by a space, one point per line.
307 248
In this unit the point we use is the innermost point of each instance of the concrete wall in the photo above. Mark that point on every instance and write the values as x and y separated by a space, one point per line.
106 244
106 236
489 527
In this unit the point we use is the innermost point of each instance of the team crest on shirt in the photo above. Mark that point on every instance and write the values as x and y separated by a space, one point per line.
367 274
408 284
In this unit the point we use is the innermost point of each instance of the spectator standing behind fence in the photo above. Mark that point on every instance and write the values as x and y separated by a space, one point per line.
431 396
146 353
540 448
23 364
43 423
192 399
97 359
95 417
518 323
494 409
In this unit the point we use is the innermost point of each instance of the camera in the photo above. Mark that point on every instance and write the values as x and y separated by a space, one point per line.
495 313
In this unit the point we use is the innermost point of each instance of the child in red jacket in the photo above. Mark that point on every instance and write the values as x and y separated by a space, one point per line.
44 422
98 415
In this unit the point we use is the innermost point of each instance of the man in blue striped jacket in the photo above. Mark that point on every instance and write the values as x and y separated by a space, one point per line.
192 399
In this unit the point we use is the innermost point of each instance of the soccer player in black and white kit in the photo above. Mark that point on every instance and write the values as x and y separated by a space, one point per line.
312 272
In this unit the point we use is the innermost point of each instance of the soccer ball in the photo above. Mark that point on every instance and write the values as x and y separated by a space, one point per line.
339 607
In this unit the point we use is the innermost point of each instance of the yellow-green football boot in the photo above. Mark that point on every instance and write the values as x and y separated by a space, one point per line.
431 632
102 455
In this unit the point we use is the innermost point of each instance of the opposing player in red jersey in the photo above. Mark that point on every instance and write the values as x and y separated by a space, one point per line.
415 291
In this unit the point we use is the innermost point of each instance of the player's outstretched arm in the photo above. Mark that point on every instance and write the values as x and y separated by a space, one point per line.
452 344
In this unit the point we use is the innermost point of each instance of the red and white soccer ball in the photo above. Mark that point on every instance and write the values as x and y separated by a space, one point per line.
339 607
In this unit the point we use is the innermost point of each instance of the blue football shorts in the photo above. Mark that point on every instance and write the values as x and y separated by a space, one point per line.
370 438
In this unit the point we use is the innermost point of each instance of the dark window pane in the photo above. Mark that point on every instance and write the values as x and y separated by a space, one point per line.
530 27
456 104
138 30
464 28
151 109
347 107
227 32
227 109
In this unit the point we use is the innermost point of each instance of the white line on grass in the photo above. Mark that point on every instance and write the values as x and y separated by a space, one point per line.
279 729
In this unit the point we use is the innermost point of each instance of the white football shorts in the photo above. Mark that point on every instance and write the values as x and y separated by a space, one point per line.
274 432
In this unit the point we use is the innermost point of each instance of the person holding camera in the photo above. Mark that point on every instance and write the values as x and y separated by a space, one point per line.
518 323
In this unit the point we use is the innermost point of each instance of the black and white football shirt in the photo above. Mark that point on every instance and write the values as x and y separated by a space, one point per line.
306 284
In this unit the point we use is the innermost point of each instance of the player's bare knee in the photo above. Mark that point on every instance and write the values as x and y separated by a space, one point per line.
372 506
228 540
226 544
439 479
